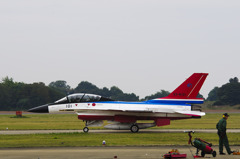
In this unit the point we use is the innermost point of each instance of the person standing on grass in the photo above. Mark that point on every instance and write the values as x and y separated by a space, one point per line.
223 140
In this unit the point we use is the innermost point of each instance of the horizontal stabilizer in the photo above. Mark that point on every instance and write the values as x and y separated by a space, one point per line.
191 113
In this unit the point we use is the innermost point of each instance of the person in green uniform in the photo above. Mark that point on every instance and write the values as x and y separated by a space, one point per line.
223 140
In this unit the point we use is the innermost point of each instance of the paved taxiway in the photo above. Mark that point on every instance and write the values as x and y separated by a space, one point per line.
8 132
102 152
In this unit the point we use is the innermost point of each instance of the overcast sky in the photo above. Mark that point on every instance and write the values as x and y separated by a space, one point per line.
141 46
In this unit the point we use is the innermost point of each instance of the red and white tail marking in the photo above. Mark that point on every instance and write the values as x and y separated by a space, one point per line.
190 88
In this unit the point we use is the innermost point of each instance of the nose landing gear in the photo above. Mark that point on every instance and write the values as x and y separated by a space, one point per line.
85 129
91 123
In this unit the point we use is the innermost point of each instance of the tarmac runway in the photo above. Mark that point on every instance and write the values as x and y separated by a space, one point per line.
103 152
8 132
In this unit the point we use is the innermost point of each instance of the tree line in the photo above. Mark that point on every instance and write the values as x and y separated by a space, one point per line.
21 96
227 94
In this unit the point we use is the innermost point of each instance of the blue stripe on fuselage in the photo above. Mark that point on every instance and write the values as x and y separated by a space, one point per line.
156 102
177 101
149 102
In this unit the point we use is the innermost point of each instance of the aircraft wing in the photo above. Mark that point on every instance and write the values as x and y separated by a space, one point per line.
148 110
158 110
191 113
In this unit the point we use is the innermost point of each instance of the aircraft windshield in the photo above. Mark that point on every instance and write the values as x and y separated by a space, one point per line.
81 97
63 100
90 98
76 98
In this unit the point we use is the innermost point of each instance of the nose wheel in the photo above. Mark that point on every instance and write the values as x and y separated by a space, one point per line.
85 129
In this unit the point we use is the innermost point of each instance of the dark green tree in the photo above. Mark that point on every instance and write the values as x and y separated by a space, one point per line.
105 92
114 93
87 87
8 81
60 86
20 96
233 80
229 94
159 94
115 90
212 95
117 94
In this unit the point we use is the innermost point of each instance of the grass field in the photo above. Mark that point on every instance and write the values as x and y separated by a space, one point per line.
112 139
70 121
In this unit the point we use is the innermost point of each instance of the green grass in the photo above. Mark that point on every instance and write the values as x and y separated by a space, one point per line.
208 121
41 122
112 139
70 121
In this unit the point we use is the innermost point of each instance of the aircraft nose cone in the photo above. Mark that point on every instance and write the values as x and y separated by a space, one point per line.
40 109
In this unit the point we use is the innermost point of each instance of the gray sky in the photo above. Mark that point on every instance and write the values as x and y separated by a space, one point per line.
141 46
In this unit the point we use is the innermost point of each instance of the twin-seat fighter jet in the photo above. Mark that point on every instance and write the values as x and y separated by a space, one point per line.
93 109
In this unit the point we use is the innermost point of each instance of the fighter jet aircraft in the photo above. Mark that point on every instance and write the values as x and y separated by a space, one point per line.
93 109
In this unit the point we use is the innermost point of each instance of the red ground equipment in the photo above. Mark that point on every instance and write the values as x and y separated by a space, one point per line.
174 153
202 145
236 152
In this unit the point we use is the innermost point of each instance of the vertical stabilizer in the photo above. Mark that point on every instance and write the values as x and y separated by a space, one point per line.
190 88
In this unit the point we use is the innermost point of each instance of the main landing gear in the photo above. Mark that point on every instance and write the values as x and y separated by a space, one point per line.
134 128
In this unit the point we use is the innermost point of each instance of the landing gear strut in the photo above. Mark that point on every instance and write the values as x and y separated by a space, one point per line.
86 129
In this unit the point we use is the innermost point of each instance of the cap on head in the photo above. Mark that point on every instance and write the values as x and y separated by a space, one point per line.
225 114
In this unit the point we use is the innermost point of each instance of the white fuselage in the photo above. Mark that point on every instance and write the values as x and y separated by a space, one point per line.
136 109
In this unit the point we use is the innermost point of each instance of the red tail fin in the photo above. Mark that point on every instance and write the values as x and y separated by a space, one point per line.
189 89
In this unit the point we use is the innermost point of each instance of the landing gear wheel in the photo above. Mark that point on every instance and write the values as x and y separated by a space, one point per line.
214 154
202 154
134 128
85 129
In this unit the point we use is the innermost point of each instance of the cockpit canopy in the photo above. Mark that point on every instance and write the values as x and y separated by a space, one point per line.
81 97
